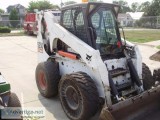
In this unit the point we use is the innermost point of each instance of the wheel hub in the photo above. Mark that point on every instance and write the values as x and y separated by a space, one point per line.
42 80
72 98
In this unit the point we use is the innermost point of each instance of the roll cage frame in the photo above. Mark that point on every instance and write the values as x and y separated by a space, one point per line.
88 9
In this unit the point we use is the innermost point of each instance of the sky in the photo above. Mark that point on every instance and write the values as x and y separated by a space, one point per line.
5 3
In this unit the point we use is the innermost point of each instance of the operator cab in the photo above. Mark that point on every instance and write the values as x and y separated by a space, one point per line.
94 23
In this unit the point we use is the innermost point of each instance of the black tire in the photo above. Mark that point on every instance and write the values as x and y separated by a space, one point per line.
148 81
47 78
78 95
28 32
156 75
14 101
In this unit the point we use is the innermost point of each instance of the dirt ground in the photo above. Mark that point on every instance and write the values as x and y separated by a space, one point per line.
156 56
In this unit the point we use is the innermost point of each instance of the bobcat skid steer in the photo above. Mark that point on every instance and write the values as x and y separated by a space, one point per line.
85 61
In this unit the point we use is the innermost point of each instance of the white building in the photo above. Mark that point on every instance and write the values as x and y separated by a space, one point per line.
128 19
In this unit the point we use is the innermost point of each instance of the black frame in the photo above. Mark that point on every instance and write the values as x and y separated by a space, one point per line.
112 9
85 7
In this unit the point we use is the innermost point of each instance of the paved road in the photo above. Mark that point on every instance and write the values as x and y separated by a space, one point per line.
146 52
18 62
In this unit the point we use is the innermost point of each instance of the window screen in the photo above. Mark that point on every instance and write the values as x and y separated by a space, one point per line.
67 20
73 21
80 26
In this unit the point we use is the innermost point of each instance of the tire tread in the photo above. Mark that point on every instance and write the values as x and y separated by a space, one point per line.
88 90
148 81
51 71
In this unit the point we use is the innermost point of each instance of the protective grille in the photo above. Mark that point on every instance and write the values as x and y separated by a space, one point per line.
73 21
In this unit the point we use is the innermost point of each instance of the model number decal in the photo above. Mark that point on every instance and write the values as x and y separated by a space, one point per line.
40 47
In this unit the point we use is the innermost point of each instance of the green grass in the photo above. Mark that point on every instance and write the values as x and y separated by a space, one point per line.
142 36
158 47
12 34
16 28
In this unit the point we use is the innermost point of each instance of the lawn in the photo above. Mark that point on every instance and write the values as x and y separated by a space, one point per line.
12 34
158 47
142 35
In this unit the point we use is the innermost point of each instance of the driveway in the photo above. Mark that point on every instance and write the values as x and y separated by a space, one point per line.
17 64
18 60
148 49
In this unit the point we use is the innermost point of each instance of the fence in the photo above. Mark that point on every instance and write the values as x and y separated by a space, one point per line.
12 23
143 22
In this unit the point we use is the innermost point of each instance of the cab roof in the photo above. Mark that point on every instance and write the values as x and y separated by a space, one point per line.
89 3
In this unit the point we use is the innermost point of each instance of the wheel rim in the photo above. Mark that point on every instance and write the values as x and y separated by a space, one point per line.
72 101
72 98
42 80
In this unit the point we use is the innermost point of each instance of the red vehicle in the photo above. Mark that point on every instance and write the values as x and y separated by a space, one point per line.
30 23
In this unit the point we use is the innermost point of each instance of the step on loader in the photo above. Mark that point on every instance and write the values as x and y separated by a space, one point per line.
95 72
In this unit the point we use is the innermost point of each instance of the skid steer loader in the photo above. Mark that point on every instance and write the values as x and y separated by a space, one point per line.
85 60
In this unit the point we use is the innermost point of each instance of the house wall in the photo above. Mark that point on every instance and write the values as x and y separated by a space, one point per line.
126 20
21 12
9 9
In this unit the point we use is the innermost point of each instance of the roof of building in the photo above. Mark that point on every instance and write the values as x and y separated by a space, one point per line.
136 15
122 15
19 6
87 3
15 6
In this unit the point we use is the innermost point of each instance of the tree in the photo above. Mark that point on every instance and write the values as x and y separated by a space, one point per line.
124 6
41 5
135 7
1 11
14 18
154 9
144 6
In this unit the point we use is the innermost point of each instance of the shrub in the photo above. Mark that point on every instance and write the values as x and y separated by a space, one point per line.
5 30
